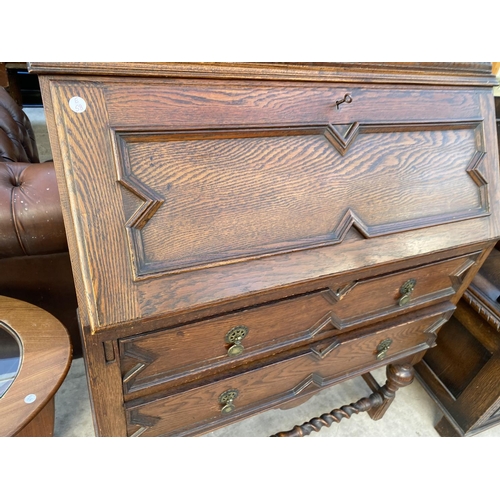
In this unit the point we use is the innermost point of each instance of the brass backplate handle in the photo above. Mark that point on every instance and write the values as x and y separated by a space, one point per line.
406 290
235 336
227 398
383 347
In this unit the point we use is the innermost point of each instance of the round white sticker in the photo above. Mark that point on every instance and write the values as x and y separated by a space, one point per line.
77 104
30 398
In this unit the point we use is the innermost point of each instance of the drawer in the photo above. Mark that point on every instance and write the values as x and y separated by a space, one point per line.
200 409
156 358
359 301
160 357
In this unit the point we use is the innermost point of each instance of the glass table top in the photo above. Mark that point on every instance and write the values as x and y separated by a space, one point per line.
10 357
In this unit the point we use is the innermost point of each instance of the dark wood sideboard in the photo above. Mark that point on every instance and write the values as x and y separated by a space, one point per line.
244 235
462 373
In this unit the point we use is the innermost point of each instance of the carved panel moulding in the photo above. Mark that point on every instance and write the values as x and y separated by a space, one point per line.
142 359
220 165
136 360
139 420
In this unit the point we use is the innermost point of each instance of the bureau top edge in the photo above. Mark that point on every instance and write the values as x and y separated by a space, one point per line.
450 73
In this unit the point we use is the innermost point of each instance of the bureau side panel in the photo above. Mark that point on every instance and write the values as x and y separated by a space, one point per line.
94 220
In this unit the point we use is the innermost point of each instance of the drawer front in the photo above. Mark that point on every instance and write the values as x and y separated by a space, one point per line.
157 358
258 389
211 191
377 297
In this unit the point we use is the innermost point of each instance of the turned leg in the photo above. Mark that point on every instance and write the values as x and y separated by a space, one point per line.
397 376
376 404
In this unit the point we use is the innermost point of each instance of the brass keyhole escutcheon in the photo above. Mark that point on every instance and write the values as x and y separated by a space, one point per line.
406 290
235 336
383 347
226 399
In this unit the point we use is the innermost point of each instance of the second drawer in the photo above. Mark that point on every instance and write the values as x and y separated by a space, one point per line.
160 357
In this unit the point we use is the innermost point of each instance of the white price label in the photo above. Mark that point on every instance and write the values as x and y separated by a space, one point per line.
77 104
30 398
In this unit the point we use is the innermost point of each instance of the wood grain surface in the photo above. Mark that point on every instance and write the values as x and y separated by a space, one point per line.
46 357
295 192
269 216
444 73
156 358
279 382
198 194
212 105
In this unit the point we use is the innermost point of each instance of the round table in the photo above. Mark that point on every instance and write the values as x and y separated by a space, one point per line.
44 352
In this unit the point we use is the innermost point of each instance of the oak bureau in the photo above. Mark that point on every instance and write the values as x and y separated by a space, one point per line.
244 235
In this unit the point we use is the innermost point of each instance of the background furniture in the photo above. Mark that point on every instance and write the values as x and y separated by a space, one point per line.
27 408
22 86
462 373
243 235
34 260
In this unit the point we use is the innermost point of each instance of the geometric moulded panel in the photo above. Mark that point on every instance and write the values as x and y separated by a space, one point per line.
200 199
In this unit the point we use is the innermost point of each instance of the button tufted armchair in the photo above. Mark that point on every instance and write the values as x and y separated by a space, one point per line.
34 259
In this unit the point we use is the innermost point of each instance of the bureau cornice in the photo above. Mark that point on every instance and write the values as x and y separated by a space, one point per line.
451 73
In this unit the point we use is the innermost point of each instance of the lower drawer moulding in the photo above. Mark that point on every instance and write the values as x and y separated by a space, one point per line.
199 409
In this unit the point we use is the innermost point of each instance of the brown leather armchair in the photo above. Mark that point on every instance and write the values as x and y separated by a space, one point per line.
34 260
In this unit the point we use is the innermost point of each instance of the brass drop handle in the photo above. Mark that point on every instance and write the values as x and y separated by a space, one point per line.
226 399
383 347
406 290
347 99
235 336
